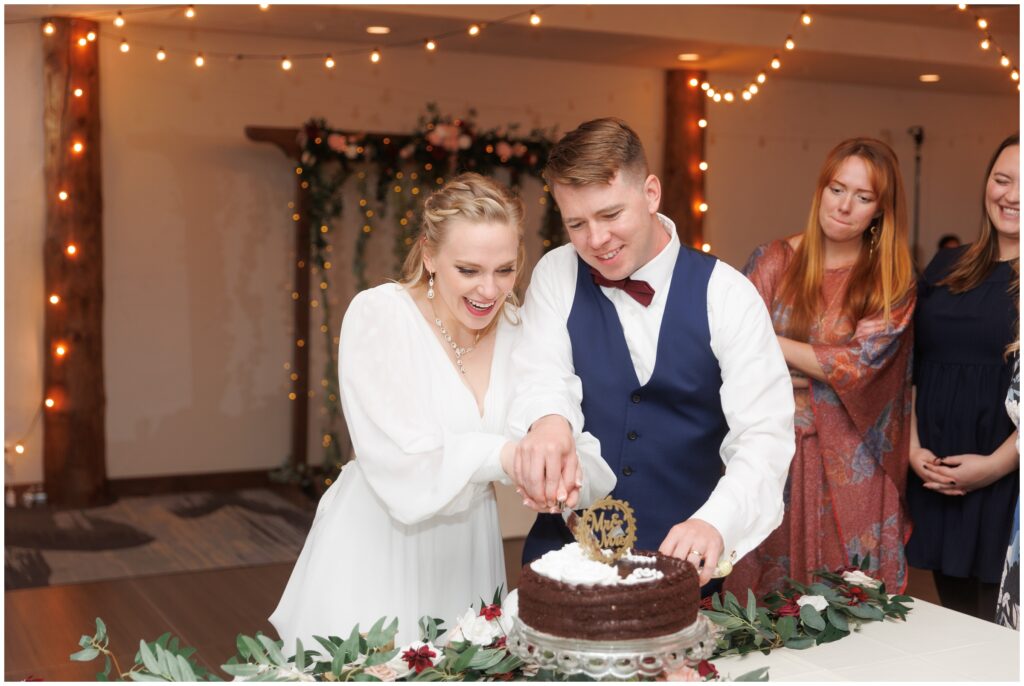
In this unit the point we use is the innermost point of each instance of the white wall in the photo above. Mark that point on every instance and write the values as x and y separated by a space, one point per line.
198 236
764 158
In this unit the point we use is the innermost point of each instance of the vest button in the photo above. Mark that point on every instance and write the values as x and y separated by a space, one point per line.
635 398
626 471
632 435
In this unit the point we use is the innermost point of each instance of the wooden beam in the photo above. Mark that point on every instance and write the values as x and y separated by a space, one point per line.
683 180
74 429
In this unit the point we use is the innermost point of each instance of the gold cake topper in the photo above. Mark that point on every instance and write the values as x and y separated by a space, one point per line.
607 530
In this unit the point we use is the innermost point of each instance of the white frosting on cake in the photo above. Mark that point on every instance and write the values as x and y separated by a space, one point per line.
570 565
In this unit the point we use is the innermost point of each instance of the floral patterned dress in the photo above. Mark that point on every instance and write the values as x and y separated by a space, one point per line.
844 496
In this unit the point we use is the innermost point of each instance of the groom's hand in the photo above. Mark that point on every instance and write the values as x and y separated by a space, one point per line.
694 541
546 466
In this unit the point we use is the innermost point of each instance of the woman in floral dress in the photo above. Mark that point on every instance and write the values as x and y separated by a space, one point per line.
841 298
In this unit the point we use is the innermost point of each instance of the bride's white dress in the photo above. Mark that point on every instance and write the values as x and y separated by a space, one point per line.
410 527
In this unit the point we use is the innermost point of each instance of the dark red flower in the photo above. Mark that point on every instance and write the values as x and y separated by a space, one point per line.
501 642
856 595
706 669
705 604
844 570
504 676
490 611
790 608
419 658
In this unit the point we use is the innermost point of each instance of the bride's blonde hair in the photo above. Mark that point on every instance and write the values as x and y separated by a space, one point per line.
469 197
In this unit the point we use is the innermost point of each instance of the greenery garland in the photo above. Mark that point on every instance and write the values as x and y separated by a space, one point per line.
797 617
403 170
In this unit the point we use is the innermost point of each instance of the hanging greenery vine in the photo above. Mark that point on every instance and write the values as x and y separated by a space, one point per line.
403 171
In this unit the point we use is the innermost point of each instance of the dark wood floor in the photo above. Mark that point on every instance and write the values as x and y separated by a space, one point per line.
205 609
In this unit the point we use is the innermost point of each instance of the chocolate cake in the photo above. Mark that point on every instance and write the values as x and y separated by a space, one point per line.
643 595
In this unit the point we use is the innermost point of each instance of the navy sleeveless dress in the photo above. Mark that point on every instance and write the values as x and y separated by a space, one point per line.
962 379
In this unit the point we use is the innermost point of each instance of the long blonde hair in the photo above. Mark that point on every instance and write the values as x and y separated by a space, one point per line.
470 197
883 273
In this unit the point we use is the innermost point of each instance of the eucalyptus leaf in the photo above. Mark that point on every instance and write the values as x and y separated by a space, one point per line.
85 654
242 647
751 606
300 655
486 659
101 629
255 651
173 668
375 636
811 618
350 648
463 660
837 619
786 626
273 651
800 642
243 670
186 669
150 660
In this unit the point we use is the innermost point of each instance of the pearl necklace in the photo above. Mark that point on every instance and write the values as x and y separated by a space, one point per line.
459 352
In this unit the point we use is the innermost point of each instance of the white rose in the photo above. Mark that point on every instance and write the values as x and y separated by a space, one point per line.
509 610
476 629
859 578
818 602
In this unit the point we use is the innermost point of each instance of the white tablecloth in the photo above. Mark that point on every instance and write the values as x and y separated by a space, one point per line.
934 644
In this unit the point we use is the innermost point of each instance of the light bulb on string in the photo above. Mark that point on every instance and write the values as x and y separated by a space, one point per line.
534 19
63 195
703 207
161 55
790 43
694 82
776 62
60 350
78 92
705 247
1004 60
71 249
729 96
82 42
119 20
190 12
264 7
200 60
761 77
986 43
705 85
805 18
286 64
54 299
703 166
91 36
702 123
1015 75
430 45
474 29
961 7
49 29
329 62
77 147
19 448
982 23
711 92
124 45
375 56
49 402
753 89
718 97
747 95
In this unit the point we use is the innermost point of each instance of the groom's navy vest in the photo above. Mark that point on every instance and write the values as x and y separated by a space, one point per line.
661 439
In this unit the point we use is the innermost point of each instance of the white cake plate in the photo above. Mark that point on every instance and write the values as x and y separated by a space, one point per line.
618 660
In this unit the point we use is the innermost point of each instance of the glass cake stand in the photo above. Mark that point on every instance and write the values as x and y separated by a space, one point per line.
618 660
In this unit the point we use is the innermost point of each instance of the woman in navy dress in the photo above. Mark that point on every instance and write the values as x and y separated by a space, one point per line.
963 485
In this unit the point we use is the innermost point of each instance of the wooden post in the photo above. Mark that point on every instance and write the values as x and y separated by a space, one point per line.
74 429
286 140
683 180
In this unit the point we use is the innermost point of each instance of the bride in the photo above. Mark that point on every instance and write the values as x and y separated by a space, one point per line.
410 527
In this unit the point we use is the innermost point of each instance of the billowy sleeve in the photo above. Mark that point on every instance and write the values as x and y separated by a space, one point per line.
546 381
757 400
416 465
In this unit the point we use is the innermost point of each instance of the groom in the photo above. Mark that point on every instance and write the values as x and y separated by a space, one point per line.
664 353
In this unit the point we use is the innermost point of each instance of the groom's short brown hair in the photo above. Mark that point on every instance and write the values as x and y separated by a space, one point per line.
594 152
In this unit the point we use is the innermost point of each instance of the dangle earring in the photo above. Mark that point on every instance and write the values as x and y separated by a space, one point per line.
430 288
873 241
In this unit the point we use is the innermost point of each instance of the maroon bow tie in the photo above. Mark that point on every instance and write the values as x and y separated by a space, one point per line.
640 291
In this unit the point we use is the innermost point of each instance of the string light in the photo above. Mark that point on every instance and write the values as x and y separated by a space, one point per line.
286 63
430 45
160 55
703 207
91 36
78 92
82 42
54 299
753 88
718 97
711 92
200 60
329 62
190 12
71 249
776 62
702 123
49 402
124 45
694 82
761 77
706 247
986 43
63 195
747 95
705 86
264 7
1015 75
703 166
982 23
19 448
474 29
729 97
961 7
77 147
1004 60
375 56
805 18
49 29
61 350
534 19
790 43
119 20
